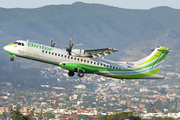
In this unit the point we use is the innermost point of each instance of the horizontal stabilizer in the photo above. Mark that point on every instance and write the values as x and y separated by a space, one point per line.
166 51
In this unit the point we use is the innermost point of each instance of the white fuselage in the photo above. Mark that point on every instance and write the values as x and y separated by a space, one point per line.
56 56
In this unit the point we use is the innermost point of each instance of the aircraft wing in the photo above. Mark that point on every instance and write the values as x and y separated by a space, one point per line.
100 52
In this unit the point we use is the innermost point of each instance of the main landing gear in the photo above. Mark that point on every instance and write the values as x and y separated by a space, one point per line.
80 73
71 73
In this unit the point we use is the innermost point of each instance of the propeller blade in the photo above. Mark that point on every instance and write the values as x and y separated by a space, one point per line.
70 47
52 44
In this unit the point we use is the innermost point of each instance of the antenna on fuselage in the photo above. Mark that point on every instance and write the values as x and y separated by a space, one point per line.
52 44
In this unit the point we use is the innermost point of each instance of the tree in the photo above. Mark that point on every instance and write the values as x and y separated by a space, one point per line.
4 116
18 106
16 115
158 105
162 91
156 118
124 107
83 117
149 107
119 116
48 115
168 118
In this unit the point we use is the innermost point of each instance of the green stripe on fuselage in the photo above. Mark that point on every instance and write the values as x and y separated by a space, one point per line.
133 76
156 55
11 45
86 68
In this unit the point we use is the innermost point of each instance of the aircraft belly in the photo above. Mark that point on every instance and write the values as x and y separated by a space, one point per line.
86 68
130 75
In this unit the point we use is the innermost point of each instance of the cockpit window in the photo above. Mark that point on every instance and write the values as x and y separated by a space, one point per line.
19 43
15 43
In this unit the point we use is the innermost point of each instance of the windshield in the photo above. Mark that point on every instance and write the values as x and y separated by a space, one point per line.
19 43
15 43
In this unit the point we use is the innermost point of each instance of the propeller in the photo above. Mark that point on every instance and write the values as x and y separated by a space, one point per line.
70 46
52 44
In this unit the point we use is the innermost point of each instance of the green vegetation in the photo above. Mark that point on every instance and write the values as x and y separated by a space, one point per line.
10 72
119 116
91 24
16 115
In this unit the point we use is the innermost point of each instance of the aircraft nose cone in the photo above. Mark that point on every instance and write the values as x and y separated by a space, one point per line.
5 48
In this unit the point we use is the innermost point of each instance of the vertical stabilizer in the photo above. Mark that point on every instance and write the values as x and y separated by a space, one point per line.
153 62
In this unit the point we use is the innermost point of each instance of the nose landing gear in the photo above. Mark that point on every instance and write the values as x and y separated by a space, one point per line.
12 59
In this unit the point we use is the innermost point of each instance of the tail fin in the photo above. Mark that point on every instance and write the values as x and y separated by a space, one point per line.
154 61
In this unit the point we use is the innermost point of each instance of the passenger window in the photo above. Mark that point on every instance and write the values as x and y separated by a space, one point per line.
116 67
107 65
91 62
46 51
71 57
101 64
19 43
88 61
74 58
81 60
43 51
55 54
84 60
52 53
68 57
78 59
110 66
49 52
65 56
22 44
58 54
113 67
61 55
94 62
119 68
104 65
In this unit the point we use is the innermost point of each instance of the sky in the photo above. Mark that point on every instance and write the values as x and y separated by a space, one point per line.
127 4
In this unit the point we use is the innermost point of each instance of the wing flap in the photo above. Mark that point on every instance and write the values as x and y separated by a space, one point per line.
100 52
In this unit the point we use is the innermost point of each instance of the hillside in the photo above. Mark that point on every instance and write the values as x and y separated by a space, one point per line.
132 32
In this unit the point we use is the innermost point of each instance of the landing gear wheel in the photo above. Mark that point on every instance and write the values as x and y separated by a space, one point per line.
80 73
12 59
70 73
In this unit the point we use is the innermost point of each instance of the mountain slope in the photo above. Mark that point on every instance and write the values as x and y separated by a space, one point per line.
94 25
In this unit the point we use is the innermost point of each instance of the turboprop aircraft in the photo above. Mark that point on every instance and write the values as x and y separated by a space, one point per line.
90 61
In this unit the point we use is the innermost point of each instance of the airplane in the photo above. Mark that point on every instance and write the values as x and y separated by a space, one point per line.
90 61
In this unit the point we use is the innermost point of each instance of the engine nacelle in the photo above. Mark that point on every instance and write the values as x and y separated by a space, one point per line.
80 52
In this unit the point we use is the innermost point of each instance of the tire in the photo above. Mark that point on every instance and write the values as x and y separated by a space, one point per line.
12 59
70 73
80 73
